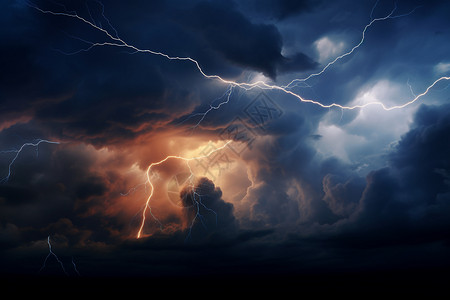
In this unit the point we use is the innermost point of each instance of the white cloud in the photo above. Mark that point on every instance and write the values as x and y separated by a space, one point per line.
442 67
369 136
337 142
328 49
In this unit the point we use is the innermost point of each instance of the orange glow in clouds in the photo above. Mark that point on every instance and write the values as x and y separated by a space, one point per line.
151 178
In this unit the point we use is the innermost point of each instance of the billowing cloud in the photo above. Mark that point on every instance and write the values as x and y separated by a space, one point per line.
298 189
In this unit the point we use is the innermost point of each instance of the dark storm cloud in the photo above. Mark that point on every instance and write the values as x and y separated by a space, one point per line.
296 63
97 96
363 223
305 211
281 9
62 191
287 173
342 195
254 46
213 214
106 95
230 33
405 203
325 203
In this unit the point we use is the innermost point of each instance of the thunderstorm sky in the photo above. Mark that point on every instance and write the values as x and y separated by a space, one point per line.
269 185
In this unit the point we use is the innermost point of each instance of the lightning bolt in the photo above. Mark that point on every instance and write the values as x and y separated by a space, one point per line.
410 88
116 41
226 96
74 265
51 253
363 36
134 189
17 153
197 205
196 197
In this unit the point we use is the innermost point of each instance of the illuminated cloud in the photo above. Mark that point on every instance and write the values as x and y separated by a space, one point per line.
442 68
328 49
303 186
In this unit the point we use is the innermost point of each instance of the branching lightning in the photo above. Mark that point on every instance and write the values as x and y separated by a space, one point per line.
196 197
226 96
363 36
116 41
52 254
197 205
113 40
17 153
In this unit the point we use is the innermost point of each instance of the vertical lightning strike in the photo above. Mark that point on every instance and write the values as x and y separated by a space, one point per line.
17 152
410 88
195 196
75 267
197 204
51 253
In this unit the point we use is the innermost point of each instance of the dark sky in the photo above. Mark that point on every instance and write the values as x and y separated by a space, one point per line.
96 92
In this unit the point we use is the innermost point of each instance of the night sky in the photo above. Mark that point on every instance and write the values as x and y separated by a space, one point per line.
261 184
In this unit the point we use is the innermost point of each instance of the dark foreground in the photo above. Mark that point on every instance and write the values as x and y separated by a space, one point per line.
361 285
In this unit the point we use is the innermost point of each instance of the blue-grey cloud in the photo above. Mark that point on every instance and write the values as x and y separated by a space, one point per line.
324 188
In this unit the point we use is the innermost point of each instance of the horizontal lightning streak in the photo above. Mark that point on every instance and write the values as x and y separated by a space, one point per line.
118 42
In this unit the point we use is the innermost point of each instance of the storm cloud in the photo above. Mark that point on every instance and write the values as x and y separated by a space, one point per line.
245 182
